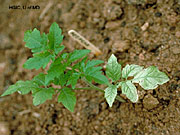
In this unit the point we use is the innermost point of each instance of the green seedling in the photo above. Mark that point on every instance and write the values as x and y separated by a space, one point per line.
67 68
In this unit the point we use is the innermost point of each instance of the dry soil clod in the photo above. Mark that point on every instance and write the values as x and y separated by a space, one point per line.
150 102
121 45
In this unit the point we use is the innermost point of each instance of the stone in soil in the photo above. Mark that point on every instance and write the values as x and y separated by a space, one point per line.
112 25
112 11
150 102
121 45
5 42
4 129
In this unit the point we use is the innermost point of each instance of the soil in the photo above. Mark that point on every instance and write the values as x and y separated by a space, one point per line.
139 32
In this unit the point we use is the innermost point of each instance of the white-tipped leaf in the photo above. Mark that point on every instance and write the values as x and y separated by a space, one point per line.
110 94
129 90
150 77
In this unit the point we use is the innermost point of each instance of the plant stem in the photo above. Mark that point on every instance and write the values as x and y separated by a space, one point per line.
120 99
83 88
89 88
99 89
94 87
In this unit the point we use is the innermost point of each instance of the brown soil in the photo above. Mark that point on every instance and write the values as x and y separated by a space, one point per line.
144 33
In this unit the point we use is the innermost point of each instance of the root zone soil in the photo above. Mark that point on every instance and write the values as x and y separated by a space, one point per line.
137 32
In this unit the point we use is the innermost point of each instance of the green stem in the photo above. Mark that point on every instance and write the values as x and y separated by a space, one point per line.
92 86
95 87
120 99
89 88
83 88
101 90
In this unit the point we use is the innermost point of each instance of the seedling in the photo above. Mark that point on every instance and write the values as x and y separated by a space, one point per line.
67 68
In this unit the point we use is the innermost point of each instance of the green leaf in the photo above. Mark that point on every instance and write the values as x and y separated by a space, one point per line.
98 77
130 70
92 70
77 54
64 55
150 77
129 90
93 63
113 69
55 70
80 65
64 78
67 98
35 41
94 73
73 79
42 95
40 79
59 49
38 61
55 37
110 94
23 87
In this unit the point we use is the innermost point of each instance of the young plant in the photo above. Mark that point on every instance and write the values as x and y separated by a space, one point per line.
67 68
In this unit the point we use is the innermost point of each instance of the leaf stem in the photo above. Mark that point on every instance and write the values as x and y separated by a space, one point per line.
83 88
99 89
94 87
120 99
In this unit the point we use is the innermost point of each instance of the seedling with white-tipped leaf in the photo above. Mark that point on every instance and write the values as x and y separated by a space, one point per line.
67 68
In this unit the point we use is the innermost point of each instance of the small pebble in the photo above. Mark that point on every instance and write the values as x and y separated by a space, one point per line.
5 42
82 24
121 45
175 49
4 129
177 34
150 102
35 114
132 13
112 12
145 26
112 25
